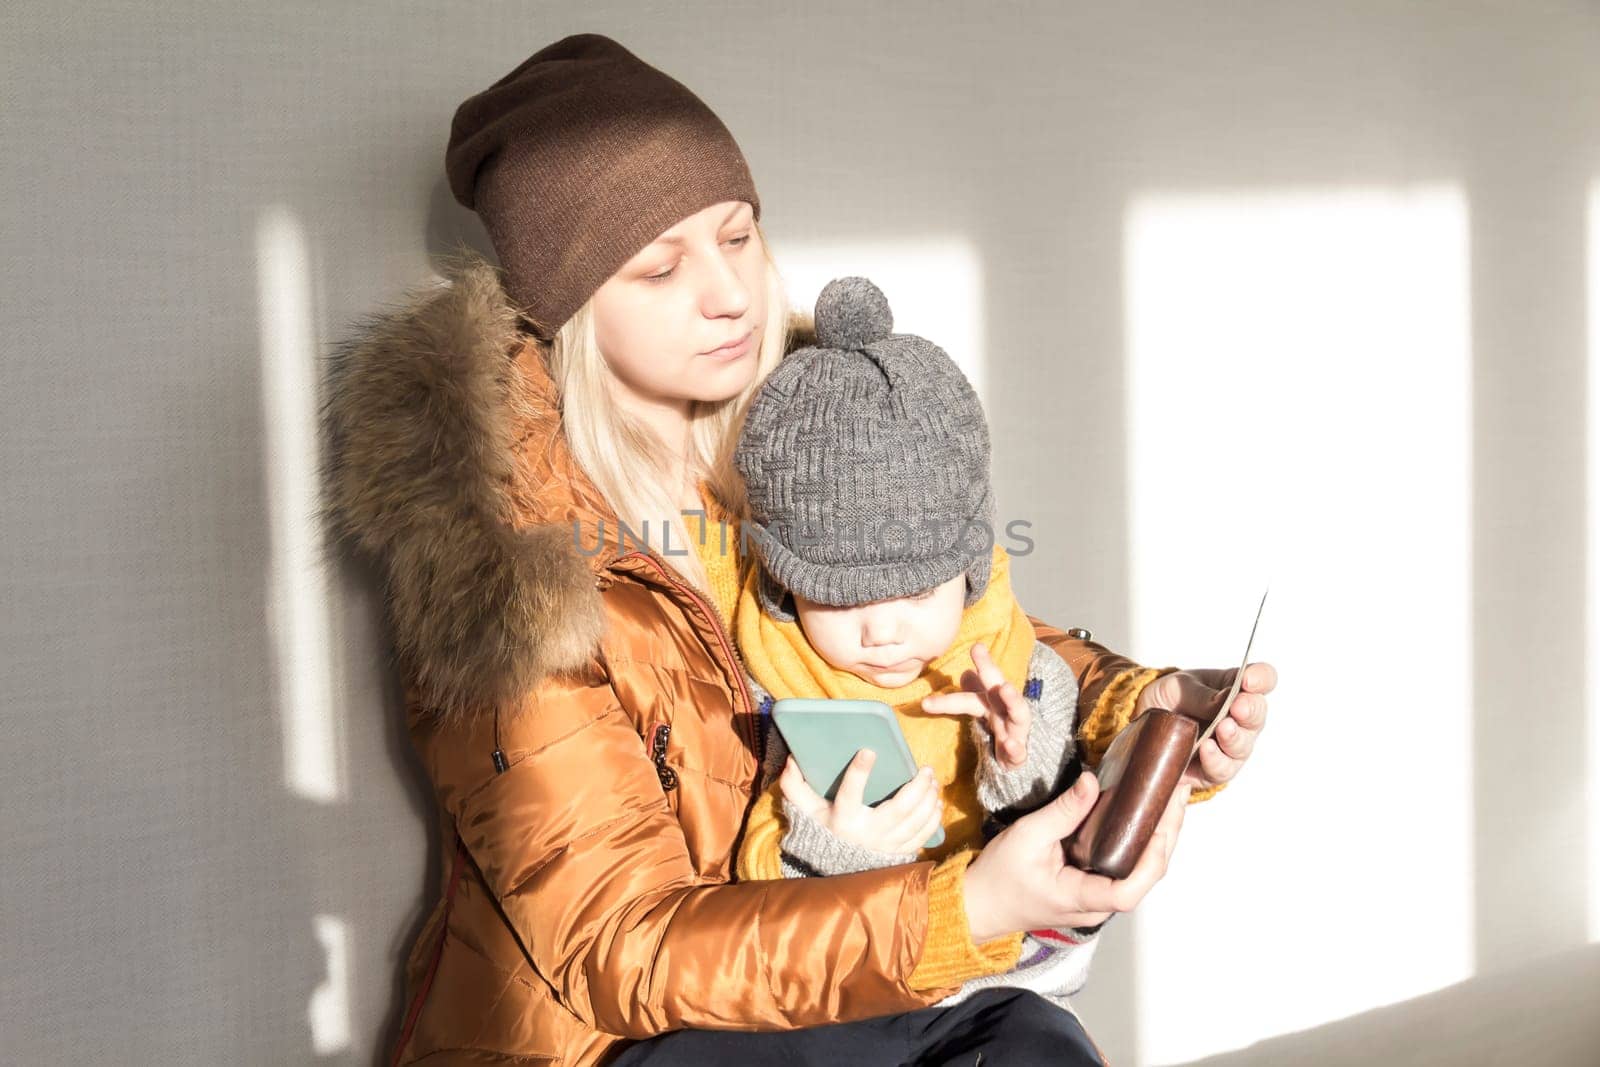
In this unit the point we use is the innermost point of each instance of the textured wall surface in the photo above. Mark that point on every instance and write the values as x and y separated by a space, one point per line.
216 840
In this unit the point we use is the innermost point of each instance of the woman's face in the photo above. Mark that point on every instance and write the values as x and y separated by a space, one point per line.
886 642
698 286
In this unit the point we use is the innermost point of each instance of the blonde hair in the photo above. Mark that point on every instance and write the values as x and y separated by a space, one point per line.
626 459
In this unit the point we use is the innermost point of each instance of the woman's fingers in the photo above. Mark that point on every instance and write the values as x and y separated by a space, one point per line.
1249 711
1216 765
1218 678
1234 741
1210 766
1060 816
1259 678
1099 893
1199 694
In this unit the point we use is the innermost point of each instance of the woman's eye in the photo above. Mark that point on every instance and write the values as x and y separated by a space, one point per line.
737 242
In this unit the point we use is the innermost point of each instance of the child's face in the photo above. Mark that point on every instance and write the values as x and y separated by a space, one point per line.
886 642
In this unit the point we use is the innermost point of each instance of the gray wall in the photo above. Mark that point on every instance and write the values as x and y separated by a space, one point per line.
216 841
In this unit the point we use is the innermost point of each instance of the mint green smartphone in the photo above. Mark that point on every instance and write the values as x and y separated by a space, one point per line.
825 735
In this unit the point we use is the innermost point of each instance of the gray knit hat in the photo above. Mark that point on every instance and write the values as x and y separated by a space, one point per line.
866 461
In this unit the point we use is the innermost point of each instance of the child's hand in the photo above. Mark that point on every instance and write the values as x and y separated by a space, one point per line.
987 695
903 822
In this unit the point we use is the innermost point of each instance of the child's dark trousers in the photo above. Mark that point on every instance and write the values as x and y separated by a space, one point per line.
1007 1027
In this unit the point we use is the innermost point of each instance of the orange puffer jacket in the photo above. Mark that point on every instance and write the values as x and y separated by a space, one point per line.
586 725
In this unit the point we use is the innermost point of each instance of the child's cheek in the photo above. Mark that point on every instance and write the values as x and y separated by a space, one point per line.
828 637
938 627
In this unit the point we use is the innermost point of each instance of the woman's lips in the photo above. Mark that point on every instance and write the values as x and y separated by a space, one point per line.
733 351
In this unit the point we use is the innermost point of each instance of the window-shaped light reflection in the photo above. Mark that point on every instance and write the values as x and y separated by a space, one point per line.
297 595
328 1011
1299 407
932 287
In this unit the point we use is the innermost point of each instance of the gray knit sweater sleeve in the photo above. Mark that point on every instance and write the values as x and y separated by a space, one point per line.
807 847
1052 694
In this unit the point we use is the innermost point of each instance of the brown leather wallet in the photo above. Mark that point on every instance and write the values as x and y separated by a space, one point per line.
1137 775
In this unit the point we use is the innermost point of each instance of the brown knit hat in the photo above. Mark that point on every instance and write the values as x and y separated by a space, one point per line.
579 158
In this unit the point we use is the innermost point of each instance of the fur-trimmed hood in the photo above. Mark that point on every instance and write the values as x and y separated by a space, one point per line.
445 459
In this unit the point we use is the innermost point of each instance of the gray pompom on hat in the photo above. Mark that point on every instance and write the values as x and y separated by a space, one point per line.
866 460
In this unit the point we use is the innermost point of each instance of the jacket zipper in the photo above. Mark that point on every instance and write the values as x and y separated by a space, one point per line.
456 867
748 731
658 754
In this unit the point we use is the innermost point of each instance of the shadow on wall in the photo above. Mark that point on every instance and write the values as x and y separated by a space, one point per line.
1499 1018
363 636
450 226
323 649
357 573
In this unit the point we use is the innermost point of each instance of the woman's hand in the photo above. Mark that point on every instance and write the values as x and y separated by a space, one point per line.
1022 881
988 696
902 822
1199 693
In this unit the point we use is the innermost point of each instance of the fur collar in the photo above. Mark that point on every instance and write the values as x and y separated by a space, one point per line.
444 459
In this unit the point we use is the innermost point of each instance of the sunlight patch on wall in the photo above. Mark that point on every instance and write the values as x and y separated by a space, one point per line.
296 587
1299 408
933 288
328 1012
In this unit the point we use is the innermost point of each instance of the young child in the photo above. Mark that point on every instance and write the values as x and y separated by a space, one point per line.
873 574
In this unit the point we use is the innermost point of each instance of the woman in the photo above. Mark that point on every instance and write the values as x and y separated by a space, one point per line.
575 698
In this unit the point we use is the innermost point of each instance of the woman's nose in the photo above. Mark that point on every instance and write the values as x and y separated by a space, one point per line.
724 293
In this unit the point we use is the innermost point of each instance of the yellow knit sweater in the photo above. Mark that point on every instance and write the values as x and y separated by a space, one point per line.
779 657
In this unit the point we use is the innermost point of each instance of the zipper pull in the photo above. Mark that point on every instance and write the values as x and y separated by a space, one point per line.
658 744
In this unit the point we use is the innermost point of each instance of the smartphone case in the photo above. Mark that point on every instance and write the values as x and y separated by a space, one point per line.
825 734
